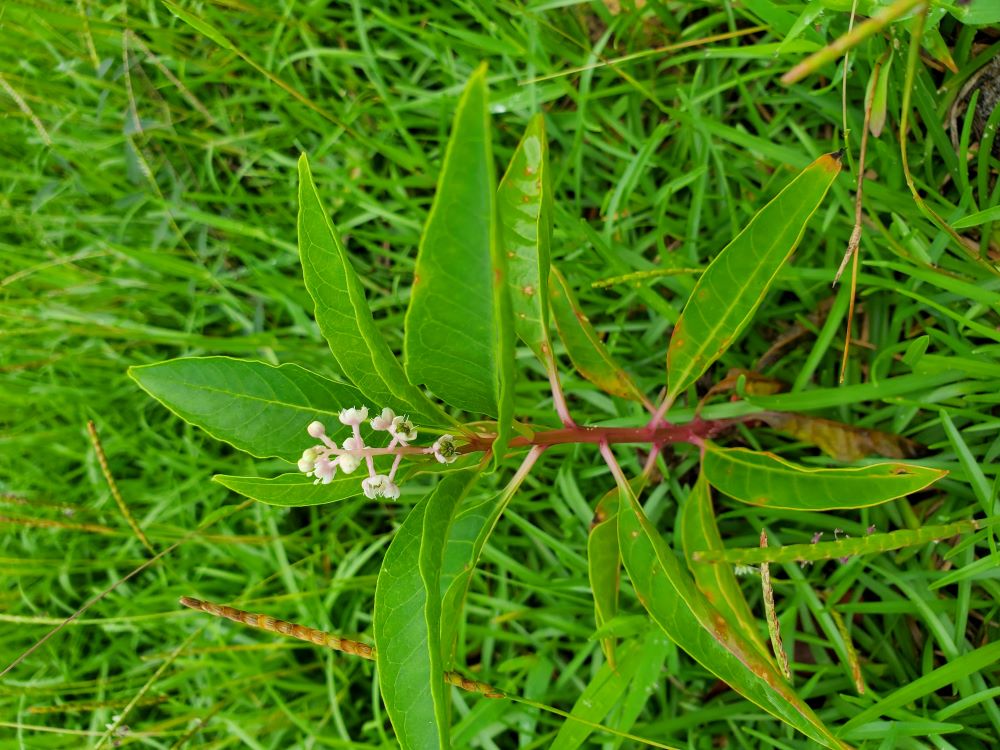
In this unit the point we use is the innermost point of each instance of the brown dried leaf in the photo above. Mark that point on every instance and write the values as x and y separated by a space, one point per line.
841 441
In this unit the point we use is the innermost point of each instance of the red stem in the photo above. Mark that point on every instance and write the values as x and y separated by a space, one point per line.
693 432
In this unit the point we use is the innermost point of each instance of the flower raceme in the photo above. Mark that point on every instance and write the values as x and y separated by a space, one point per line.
323 461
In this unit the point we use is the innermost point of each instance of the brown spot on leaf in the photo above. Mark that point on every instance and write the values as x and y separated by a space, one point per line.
528 290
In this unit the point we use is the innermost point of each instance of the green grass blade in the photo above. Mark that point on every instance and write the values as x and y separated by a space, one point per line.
948 674
524 204
585 349
256 407
674 602
343 314
407 618
734 284
769 481
604 691
698 533
292 490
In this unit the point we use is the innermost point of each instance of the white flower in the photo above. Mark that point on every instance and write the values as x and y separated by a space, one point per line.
353 417
316 429
391 491
354 444
384 420
348 463
402 429
325 470
445 450
376 486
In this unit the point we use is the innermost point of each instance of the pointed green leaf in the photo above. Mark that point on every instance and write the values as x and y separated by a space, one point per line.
524 202
602 694
293 490
469 533
604 566
732 287
343 314
765 479
699 532
457 335
256 407
407 618
586 350
674 602
604 561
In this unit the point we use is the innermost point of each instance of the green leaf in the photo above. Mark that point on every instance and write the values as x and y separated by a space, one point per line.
469 533
256 407
472 529
344 317
584 346
293 490
770 481
604 691
407 619
604 561
674 602
734 284
699 532
604 566
524 203
458 326
976 13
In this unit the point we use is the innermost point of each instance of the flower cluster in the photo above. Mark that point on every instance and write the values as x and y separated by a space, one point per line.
324 460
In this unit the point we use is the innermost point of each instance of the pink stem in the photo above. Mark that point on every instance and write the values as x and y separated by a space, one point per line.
558 398
368 456
395 465
609 458
658 416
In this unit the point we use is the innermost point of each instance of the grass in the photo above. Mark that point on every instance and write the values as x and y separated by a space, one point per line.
148 210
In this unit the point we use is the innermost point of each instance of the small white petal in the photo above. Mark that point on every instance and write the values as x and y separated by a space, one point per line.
391 491
325 469
348 463
444 449
354 444
316 429
375 486
353 417
384 420
403 429
305 465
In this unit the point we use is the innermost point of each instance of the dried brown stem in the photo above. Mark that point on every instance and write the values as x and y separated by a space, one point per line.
321 638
